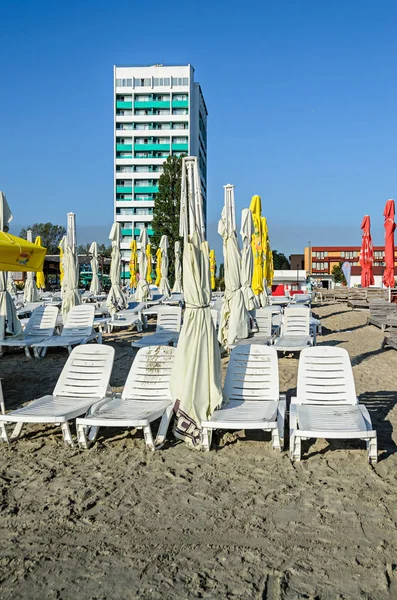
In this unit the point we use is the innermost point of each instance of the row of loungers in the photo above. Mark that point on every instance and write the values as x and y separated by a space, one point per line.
325 406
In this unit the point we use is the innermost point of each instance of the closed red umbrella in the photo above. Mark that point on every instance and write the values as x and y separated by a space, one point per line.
366 254
388 274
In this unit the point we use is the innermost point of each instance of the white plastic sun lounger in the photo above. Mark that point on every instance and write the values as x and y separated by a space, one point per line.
84 380
263 321
295 330
145 398
252 388
78 329
326 404
40 327
167 330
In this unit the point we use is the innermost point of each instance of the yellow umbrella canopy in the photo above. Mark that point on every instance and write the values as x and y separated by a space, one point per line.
17 254
158 266
133 265
61 259
257 273
212 269
149 264
268 269
40 279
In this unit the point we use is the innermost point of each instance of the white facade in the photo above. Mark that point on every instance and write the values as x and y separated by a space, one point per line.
158 111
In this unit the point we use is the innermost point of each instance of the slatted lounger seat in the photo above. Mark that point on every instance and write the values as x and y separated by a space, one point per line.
40 327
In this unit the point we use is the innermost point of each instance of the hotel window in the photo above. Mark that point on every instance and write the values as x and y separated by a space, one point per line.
124 82
179 111
179 97
124 211
162 81
342 254
179 140
140 126
142 81
142 182
180 81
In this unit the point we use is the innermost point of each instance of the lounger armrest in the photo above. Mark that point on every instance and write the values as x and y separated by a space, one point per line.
293 419
294 400
366 416
282 405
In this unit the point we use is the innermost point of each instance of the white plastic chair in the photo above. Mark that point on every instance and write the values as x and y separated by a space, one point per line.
295 330
84 380
145 398
252 389
78 329
168 326
326 404
263 321
40 327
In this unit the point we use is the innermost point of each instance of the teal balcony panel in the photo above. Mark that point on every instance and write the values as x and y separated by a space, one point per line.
149 189
180 147
120 104
126 232
148 147
120 189
180 104
123 147
152 104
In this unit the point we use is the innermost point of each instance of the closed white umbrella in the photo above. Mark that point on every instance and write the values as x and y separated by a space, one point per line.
9 322
196 375
177 289
95 286
142 292
116 300
11 287
164 286
247 260
30 291
70 284
234 323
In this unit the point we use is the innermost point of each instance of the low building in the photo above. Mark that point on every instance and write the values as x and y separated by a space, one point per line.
320 261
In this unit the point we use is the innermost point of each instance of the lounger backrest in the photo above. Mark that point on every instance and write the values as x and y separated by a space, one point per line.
168 318
79 320
149 376
263 317
325 376
42 321
86 373
252 373
296 321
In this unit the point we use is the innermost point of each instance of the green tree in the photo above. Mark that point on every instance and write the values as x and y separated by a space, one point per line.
338 274
50 235
166 208
280 261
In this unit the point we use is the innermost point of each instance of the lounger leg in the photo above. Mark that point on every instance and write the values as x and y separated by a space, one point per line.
3 433
282 407
275 439
27 352
206 438
2 403
67 436
295 448
17 431
99 338
147 432
372 447
70 349
163 428
81 436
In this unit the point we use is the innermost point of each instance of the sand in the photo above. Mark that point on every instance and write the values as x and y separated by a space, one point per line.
118 521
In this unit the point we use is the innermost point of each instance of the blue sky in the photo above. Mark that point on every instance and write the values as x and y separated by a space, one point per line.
301 97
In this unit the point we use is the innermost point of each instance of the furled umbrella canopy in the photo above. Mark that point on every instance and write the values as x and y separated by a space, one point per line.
390 226
164 286
95 286
247 261
9 322
196 375
70 289
148 263
62 247
234 321
40 279
257 274
268 268
30 292
158 267
366 254
177 289
213 269
116 300
11 287
142 292
133 265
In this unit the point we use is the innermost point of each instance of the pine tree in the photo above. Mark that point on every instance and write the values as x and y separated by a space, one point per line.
166 209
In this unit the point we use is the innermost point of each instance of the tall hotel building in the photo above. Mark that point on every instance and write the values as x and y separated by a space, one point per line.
158 111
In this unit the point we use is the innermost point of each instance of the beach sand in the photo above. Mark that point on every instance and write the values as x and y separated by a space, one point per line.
241 521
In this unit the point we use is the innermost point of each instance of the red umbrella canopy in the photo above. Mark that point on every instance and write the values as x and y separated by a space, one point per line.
366 254
389 212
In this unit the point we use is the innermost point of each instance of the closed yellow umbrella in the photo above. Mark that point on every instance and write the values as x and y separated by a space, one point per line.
158 266
212 269
257 273
133 265
61 259
40 279
17 254
149 264
268 269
